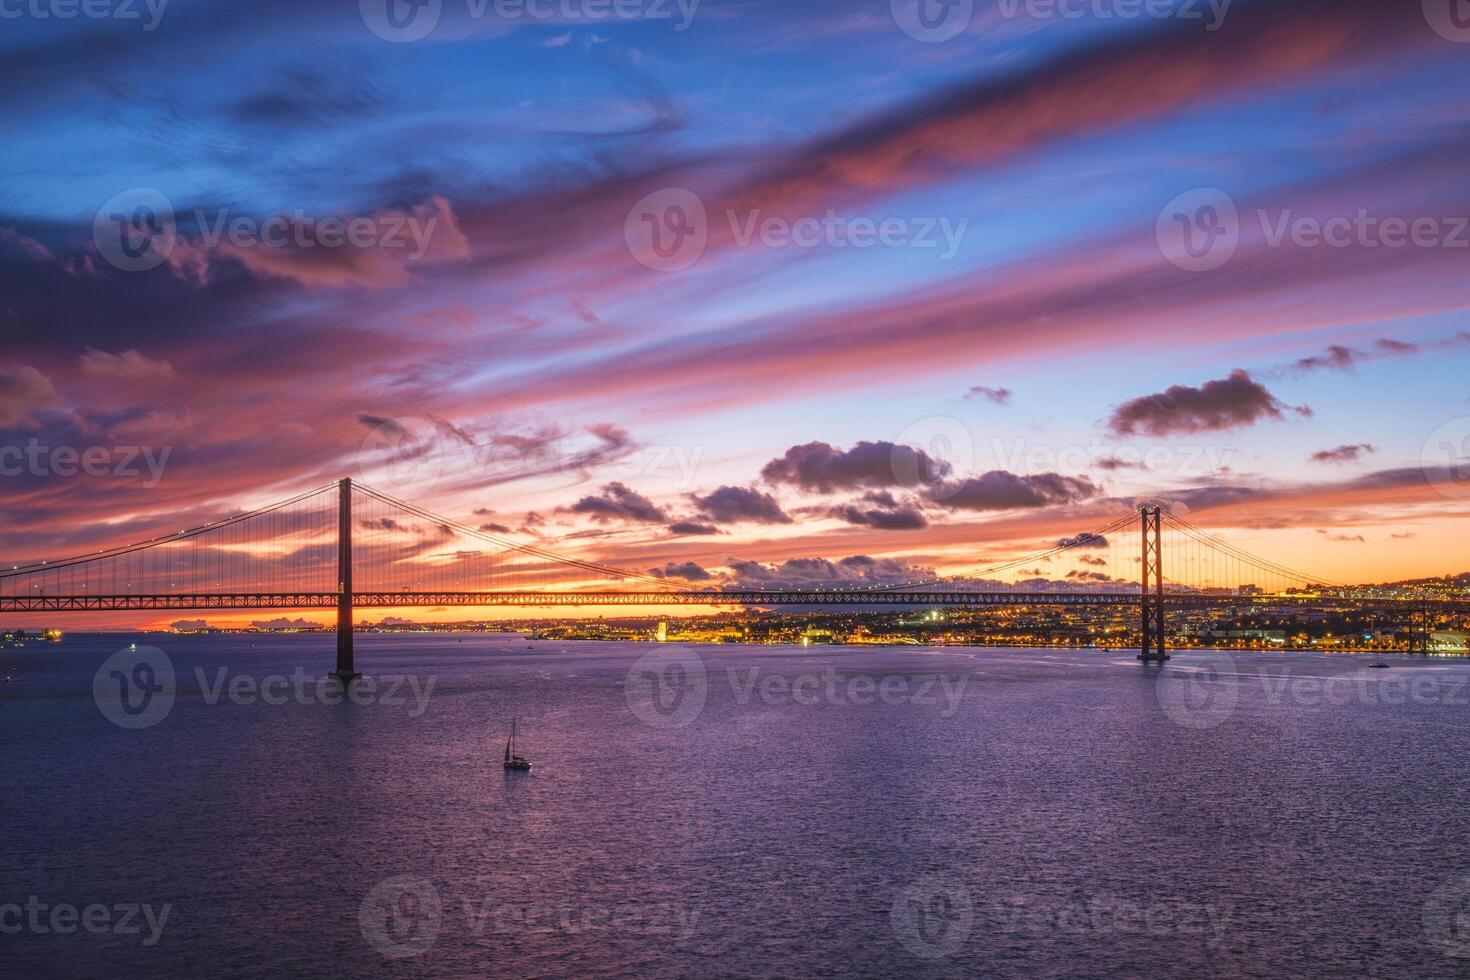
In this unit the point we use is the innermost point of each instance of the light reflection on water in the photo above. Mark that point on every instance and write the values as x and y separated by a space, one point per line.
741 811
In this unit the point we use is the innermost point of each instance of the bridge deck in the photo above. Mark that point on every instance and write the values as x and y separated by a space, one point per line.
381 600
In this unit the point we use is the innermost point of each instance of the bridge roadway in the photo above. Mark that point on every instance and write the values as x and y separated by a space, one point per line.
379 600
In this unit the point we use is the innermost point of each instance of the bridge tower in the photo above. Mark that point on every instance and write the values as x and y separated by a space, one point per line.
345 671
1151 601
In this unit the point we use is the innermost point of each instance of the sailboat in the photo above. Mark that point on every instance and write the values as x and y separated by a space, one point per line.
513 761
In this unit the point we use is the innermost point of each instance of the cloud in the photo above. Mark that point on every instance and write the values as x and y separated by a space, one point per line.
806 573
688 571
1085 300
127 366
22 390
901 519
692 528
1343 454
371 251
188 624
1002 490
1215 406
616 502
998 396
1345 538
1335 358
1339 357
559 41
282 623
517 457
308 98
1084 540
27 245
1130 78
390 428
495 528
820 467
1113 463
736 505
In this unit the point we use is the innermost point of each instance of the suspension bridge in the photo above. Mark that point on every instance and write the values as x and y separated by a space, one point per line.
346 546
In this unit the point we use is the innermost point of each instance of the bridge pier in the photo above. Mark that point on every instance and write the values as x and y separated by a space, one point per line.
1152 649
346 672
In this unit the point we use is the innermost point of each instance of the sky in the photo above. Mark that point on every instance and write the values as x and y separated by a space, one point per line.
688 286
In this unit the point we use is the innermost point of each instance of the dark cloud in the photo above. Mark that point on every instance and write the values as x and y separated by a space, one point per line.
512 457
1343 454
901 519
495 528
822 468
130 366
389 428
1002 490
1339 357
1112 463
688 571
1215 406
308 97
737 505
997 396
807 573
282 623
22 390
1335 358
616 502
692 528
1210 497
1084 540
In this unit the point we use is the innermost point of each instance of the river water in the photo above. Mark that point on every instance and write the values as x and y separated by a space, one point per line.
202 805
